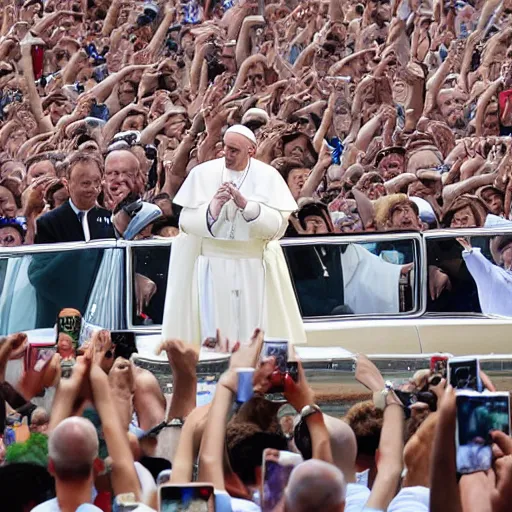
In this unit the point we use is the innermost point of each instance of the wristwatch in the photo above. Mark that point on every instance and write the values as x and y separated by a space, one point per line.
379 397
176 422
308 410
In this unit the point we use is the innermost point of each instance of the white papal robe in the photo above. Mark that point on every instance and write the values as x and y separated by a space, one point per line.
231 274
494 283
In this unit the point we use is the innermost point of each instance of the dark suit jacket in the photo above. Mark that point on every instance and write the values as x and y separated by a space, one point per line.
62 225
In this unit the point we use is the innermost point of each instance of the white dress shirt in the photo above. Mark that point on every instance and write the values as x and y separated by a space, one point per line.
82 214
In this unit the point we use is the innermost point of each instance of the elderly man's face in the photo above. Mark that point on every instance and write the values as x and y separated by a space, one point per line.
464 218
121 168
39 169
8 206
493 201
10 237
237 151
296 179
404 217
451 105
391 166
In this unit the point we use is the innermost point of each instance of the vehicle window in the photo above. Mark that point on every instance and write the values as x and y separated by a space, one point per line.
149 281
475 280
35 287
354 278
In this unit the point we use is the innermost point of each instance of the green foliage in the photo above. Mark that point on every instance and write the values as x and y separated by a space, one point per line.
34 450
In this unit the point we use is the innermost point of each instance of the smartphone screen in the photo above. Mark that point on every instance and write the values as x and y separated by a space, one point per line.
124 342
37 356
438 365
464 373
277 467
187 498
478 414
278 350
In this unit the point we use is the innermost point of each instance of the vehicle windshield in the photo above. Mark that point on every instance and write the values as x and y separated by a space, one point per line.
354 278
469 275
35 287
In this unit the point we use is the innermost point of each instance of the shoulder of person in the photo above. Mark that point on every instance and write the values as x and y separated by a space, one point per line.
61 210
47 506
206 166
266 169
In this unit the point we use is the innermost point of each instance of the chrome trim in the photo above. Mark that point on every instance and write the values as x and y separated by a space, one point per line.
471 232
58 247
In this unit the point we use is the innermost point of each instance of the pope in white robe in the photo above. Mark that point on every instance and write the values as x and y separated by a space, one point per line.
494 283
227 270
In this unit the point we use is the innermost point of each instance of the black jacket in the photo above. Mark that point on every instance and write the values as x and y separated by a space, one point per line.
62 225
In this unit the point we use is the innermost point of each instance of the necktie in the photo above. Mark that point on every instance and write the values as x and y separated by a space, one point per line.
82 218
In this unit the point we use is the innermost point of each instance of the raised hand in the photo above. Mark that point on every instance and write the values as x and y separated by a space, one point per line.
222 196
237 197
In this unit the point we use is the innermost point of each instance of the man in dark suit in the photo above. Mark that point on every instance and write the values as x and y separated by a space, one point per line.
79 218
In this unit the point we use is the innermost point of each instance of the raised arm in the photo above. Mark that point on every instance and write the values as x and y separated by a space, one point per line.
44 124
124 475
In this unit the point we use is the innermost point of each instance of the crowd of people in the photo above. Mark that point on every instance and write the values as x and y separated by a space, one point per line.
112 439
378 115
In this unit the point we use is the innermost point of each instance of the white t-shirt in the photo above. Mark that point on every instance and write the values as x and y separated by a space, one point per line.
356 498
53 506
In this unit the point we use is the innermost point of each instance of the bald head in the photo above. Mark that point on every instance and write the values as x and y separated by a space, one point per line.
72 449
238 149
122 155
343 446
314 486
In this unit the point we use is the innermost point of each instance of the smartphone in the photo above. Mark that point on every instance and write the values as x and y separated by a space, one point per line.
124 342
38 354
439 365
464 373
478 414
277 349
277 467
186 498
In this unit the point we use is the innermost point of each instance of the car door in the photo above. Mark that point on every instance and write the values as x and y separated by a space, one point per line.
352 294
454 321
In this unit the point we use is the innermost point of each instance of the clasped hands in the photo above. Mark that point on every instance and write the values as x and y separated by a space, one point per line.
226 192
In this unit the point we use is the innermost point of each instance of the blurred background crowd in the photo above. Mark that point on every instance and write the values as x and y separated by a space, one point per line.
379 115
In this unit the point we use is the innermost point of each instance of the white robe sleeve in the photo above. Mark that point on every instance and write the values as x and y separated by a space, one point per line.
478 265
267 225
194 221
